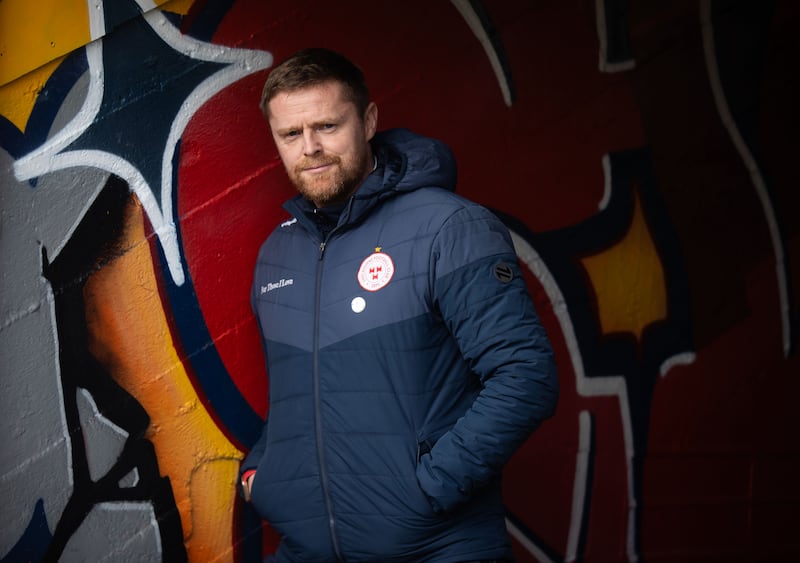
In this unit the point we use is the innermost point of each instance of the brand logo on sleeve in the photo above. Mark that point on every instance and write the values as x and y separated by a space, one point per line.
503 272
375 271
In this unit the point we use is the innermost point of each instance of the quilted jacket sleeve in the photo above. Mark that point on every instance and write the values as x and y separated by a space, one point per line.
253 457
480 293
251 461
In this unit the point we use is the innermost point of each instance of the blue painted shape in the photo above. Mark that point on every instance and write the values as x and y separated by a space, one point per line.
32 546
145 81
48 103
118 12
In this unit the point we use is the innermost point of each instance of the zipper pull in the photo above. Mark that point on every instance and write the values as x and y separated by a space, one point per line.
321 249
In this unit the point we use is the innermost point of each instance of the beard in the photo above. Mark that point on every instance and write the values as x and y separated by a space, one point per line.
333 186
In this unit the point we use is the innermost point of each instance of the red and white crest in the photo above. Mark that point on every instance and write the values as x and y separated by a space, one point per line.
375 271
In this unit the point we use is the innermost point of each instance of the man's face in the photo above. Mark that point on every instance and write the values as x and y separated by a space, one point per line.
322 141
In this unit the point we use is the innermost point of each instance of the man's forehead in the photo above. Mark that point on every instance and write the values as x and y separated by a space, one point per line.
322 97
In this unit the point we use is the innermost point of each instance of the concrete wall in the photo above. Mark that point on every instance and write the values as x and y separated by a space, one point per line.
642 153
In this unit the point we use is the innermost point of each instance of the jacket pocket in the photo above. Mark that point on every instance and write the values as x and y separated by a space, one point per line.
426 441
424 447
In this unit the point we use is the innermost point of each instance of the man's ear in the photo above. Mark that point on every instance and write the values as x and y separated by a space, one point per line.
371 120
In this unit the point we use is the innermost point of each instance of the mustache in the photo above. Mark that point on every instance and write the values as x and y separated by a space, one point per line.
313 162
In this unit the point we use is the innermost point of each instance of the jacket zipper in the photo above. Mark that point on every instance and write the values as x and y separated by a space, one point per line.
323 471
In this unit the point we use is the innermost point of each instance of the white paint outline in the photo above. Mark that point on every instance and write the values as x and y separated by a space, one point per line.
529 546
473 21
710 53
603 65
599 386
580 483
49 156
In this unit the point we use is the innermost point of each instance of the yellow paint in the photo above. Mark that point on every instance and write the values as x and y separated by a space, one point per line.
27 61
176 6
18 98
35 33
129 335
628 281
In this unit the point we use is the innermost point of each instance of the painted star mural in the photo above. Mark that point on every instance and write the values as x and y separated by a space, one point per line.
183 74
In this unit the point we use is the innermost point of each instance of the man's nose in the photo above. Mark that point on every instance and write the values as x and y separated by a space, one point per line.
311 143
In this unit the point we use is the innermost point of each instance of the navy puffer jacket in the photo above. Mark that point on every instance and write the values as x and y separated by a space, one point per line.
406 364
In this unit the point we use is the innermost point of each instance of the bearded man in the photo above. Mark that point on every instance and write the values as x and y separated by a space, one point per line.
406 361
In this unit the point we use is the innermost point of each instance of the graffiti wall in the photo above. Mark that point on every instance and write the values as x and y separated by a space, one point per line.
642 154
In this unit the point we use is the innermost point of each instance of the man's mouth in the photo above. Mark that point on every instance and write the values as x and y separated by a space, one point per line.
316 167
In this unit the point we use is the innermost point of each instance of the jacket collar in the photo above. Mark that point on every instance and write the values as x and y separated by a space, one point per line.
406 162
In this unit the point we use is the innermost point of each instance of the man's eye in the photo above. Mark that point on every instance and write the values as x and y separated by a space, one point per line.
327 126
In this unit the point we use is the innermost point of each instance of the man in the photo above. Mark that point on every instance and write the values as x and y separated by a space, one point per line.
405 359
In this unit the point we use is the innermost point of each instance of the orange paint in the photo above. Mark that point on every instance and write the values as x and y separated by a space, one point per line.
628 280
129 335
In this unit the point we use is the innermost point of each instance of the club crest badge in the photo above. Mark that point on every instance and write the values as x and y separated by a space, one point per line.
376 271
